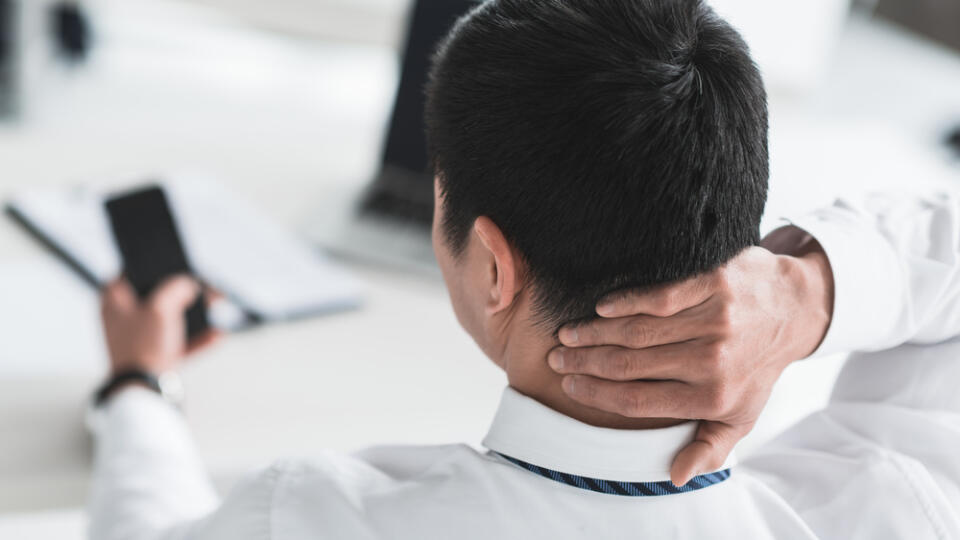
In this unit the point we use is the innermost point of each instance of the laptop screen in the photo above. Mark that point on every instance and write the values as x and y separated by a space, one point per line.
406 145
8 37
937 19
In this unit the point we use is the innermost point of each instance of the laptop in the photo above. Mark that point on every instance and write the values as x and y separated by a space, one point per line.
389 221
935 19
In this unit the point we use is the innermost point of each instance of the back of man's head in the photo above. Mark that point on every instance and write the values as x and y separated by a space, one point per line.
616 143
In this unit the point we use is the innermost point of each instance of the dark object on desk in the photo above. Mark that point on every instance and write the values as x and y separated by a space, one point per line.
953 140
150 245
9 34
71 30
935 19
389 221
403 189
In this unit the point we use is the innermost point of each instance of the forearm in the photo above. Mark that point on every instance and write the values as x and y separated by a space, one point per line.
895 266
147 476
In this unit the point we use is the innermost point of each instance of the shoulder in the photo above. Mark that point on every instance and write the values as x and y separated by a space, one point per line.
375 465
354 495
414 460
247 510
830 466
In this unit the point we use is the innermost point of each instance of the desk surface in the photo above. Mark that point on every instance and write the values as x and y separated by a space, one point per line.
283 124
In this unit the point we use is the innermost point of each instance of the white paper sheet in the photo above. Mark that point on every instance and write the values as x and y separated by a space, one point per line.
232 246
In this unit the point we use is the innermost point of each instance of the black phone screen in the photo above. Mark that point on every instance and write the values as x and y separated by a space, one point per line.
149 243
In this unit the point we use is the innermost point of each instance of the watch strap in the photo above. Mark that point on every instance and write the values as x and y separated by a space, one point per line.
121 378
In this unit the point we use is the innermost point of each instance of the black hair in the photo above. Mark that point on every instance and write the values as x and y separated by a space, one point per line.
616 143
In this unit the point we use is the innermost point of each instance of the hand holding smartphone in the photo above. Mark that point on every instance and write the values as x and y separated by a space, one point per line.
150 245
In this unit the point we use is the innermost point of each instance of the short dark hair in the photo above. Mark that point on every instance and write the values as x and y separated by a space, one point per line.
616 143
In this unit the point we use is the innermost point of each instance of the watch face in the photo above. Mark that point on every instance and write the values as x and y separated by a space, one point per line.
171 387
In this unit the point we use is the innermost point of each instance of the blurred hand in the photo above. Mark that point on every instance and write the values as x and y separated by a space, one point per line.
150 335
709 348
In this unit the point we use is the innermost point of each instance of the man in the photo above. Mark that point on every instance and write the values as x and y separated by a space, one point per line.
586 148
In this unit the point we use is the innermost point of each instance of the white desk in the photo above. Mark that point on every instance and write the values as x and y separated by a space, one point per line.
283 123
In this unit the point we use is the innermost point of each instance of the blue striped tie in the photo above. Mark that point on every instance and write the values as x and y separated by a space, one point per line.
625 489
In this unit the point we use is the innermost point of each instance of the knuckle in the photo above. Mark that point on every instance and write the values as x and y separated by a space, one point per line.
714 369
668 298
714 355
664 302
621 365
723 280
718 401
585 388
593 332
622 299
595 392
724 319
110 296
635 333
629 402
156 309
574 360
720 363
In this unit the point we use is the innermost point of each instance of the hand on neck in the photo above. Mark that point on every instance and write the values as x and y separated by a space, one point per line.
492 295
524 358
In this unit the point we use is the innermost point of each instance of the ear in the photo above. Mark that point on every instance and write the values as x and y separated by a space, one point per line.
502 266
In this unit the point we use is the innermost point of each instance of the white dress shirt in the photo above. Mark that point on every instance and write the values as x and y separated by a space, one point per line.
882 460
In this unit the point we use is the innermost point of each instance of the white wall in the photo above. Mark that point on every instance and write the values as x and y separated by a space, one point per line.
369 21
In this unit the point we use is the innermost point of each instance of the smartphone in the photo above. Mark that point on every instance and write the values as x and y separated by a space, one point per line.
149 243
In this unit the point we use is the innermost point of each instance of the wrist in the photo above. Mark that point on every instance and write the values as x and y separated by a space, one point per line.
166 385
810 279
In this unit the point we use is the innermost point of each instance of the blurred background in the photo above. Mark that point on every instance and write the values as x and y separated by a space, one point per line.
288 136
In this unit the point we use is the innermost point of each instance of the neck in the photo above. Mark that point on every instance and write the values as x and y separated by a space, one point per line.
524 358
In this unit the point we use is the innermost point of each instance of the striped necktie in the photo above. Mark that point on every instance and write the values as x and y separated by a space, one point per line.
625 489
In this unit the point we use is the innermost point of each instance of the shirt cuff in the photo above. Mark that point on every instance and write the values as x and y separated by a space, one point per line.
866 271
136 410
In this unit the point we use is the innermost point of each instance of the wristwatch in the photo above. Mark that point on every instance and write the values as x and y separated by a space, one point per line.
168 385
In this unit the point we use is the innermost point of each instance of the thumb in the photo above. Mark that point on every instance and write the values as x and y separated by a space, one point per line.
174 295
708 451
118 295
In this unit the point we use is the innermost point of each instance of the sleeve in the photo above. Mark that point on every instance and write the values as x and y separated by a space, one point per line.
149 483
896 269
879 461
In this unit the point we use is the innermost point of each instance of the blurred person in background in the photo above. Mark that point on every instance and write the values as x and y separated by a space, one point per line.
584 148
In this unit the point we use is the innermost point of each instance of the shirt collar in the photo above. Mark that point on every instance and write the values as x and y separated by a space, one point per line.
529 431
